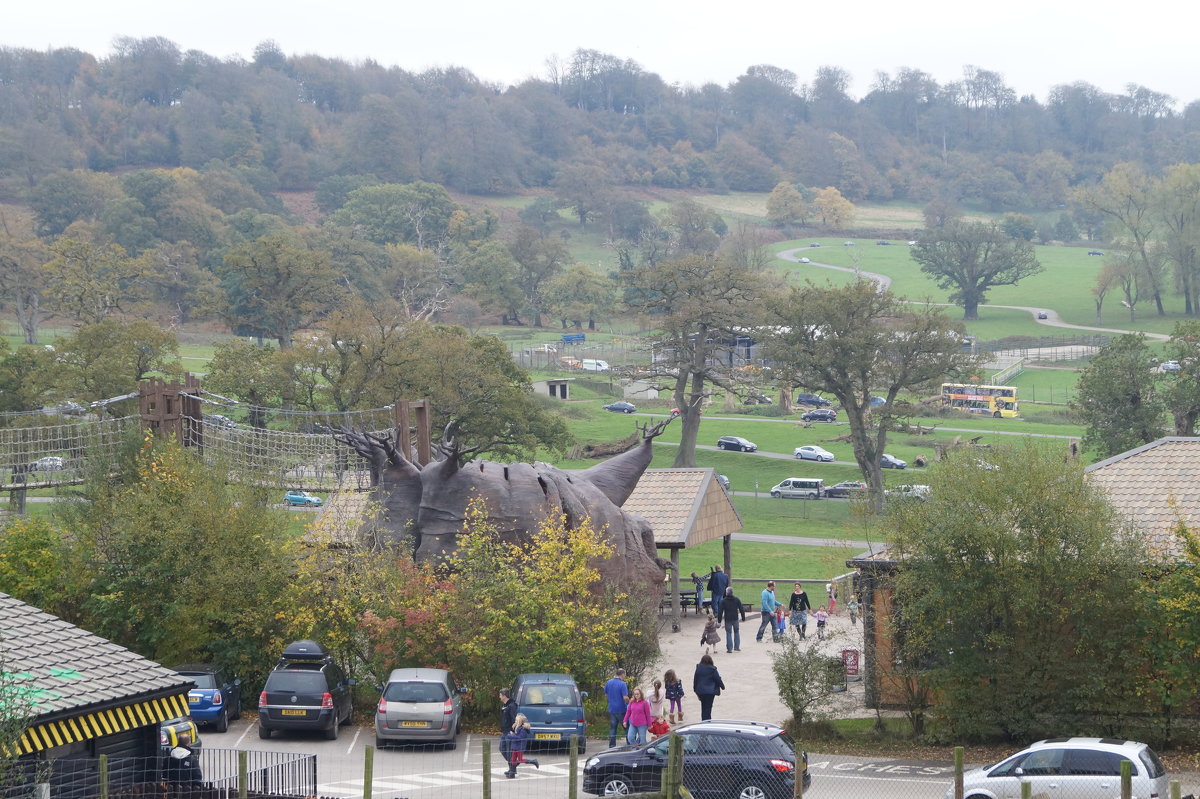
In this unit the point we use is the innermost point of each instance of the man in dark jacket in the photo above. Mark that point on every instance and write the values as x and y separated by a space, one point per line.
508 716
718 581
732 611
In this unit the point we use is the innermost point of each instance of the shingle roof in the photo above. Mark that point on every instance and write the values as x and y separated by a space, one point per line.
62 669
685 507
1156 487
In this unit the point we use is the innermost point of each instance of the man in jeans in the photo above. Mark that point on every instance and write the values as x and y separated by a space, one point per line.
730 611
767 605
618 698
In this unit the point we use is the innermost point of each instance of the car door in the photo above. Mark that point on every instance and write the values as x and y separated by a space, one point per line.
1089 772
1042 769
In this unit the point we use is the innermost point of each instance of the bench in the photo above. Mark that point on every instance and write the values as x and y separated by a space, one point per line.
687 599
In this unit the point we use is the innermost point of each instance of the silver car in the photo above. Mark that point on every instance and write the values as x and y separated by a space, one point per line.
1078 768
418 705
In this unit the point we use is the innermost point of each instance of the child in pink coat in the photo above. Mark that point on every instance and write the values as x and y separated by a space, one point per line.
638 717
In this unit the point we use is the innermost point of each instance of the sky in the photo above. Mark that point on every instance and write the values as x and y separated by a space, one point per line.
1033 45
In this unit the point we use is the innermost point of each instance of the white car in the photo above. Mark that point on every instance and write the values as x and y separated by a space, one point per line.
1074 768
51 463
805 261
812 453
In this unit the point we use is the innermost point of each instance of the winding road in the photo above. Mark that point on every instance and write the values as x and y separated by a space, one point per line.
1052 318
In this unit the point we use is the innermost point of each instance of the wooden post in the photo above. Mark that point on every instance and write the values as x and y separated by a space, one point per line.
368 770
103 776
418 410
958 770
573 768
243 774
1126 780
487 769
672 777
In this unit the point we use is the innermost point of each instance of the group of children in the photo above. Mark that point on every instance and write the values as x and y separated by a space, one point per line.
644 717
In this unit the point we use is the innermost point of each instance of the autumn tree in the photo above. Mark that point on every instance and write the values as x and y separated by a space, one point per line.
579 296
253 374
857 342
1177 204
969 258
89 283
108 359
539 258
1180 391
834 209
786 206
700 304
22 281
1116 397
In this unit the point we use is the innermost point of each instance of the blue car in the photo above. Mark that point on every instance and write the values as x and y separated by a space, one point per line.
302 498
553 704
217 697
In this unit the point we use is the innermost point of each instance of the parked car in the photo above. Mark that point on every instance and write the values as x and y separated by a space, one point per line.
909 492
1170 366
736 443
847 489
50 463
814 244
805 261
1043 315
170 730
217 697
418 705
620 406
724 481
721 760
218 420
847 244
297 497
1079 768
877 402
306 691
757 399
819 415
883 243
553 704
891 462
70 408
811 452
1095 252
811 399
799 488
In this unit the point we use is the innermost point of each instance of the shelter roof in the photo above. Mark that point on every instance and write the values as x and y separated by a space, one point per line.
685 507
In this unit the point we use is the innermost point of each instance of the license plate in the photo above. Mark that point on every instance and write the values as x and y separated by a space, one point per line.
548 736
414 724
293 712
195 700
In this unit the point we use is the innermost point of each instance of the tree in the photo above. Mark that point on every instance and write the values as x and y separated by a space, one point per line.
89 282
834 209
276 287
1104 281
1017 588
108 359
584 188
786 206
492 277
1125 195
416 213
1180 392
700 304
1116 398
1177 203
857 342
251 373
578 295
807 675
539 258
22 282
969 258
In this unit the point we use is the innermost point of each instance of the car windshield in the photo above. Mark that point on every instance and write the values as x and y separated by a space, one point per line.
415 692
554 694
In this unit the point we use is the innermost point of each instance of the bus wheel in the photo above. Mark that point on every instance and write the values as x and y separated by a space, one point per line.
995 414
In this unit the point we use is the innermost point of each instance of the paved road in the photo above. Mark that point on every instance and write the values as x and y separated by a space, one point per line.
1052 318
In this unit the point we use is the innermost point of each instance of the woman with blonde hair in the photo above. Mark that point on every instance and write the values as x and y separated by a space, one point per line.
518 739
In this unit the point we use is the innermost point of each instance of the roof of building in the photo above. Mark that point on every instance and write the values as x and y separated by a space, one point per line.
1156 487
685 507
77 685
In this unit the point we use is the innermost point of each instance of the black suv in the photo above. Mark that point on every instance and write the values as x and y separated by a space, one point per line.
819 415
306 691
726 759
811 399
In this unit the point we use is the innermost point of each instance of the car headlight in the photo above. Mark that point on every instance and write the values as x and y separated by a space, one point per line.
590 764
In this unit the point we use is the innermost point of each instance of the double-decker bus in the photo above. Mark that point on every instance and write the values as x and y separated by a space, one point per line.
996 401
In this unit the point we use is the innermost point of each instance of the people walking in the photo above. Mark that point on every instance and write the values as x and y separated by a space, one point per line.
618 701
674 690
518 739
822 616
799 607
767 605
709 638
732 611
853 607
656 699
707 685
637 718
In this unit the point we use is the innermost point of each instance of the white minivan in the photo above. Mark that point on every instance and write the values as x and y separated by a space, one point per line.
800 488
591 365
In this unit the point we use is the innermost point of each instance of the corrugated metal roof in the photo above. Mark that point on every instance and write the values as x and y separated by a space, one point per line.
685 507
1156 487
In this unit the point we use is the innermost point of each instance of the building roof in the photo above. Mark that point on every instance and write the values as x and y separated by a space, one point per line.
1156 487
77 685
685 507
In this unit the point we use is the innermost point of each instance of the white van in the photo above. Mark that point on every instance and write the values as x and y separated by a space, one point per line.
590 365
800 488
